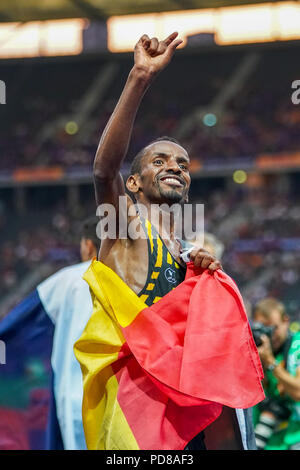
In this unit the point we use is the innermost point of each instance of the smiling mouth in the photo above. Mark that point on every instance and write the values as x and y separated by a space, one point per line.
172 181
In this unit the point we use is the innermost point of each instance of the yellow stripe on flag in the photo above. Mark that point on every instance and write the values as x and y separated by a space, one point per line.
97 349
115 433
126 305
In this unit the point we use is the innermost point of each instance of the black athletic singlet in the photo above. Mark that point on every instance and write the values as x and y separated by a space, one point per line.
164 273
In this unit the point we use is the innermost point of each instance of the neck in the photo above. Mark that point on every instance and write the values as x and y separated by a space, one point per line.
163 219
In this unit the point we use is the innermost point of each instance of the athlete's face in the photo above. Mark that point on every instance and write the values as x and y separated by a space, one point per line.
165 176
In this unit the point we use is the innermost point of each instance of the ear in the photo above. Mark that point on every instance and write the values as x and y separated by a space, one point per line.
92 251
133 183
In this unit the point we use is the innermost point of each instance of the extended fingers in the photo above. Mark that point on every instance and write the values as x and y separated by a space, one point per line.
155 47
171 43
170 38
145 40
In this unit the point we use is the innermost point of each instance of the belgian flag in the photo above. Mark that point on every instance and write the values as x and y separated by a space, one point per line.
154 377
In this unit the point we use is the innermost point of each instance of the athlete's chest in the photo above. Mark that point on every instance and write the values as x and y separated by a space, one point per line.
148 261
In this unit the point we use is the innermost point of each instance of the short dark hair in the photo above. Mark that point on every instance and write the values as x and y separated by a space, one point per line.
136 162
88 231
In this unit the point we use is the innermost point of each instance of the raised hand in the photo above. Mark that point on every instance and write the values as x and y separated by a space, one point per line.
152 55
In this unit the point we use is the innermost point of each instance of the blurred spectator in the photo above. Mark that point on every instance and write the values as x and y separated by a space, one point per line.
278 416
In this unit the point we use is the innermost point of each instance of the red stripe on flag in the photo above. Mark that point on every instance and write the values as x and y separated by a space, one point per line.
151 409
211 355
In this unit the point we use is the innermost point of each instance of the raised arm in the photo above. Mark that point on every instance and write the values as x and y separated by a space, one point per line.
150 57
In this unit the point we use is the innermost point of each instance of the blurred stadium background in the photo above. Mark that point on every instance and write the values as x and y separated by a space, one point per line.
227 96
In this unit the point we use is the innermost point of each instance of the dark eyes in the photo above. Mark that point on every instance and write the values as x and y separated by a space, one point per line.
158 161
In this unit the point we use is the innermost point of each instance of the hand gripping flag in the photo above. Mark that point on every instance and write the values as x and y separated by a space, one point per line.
154 377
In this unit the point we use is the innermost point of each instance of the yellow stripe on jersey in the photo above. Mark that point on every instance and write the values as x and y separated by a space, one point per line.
144 297
154 275
150 286
148 226
169 258
159 258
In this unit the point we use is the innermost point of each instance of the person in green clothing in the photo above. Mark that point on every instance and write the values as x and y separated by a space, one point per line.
277 418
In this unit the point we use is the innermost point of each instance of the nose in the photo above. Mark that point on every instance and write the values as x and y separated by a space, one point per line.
173 166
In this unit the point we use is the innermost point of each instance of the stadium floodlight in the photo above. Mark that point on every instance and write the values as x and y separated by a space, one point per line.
265 22
41 38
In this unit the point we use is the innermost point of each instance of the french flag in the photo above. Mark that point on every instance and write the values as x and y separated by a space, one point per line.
41 380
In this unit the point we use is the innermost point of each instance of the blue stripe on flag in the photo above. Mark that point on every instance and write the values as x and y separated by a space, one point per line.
27 332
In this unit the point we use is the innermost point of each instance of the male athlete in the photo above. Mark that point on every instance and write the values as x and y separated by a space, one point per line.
151 266
160 175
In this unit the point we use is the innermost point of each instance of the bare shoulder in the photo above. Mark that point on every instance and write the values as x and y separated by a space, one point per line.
120 229
127 256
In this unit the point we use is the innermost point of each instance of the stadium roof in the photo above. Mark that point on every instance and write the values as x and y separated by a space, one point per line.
29 10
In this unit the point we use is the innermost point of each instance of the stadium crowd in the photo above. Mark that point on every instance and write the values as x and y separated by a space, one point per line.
258 227
259 118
